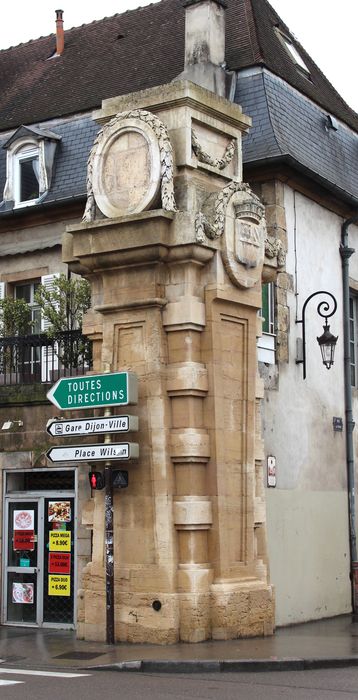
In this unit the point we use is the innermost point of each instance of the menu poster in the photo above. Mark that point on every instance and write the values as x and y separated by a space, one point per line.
24 519
59 541
24 540
59 511
23 593
59 563
59 585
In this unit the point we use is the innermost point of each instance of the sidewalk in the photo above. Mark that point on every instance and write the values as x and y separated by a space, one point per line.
321 644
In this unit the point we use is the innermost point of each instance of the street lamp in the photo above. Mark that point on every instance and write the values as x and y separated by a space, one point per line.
327 341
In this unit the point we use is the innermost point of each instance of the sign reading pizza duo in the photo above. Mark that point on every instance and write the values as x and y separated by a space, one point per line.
95 391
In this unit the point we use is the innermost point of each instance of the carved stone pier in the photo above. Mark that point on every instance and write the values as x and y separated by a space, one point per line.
173 245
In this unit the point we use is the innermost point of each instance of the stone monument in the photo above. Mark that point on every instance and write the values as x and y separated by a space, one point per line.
173 243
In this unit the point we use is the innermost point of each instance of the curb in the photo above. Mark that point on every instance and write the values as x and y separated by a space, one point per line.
227 666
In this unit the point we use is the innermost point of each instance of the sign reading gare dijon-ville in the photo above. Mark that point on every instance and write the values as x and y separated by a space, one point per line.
93 391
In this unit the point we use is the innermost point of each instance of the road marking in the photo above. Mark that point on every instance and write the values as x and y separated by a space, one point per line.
53 674
9 682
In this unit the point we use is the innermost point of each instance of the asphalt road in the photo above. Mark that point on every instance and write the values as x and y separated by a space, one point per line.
329 684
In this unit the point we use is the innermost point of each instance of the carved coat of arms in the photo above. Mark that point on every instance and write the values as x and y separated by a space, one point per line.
248 245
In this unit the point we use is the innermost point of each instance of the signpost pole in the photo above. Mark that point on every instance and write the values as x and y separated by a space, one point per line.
108 516
108 526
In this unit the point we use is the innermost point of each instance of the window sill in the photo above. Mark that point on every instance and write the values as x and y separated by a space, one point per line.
29 203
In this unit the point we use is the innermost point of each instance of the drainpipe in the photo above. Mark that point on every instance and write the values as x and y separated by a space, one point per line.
346 253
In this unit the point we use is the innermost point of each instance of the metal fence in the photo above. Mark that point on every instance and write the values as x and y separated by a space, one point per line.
38 358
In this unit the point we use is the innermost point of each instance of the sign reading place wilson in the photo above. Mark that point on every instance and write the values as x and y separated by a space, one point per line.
94 453
94 391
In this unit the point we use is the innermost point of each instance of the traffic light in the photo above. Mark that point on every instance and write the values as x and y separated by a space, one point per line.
119 479
96 480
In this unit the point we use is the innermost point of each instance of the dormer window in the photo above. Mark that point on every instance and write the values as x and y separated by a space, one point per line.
29 166
26 176
292 51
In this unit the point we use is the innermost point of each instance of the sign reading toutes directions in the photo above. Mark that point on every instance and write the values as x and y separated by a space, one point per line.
94 391
92 426
93 453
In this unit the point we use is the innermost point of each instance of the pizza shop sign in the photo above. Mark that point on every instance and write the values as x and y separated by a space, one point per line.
24 530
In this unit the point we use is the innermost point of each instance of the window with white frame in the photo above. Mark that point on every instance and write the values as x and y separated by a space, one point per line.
267 342
353 337
26 291
36 359
29 166
26 175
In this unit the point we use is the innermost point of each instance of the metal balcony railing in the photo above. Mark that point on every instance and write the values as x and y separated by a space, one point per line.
38 358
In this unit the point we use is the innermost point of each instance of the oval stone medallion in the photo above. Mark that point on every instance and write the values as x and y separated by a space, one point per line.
126 172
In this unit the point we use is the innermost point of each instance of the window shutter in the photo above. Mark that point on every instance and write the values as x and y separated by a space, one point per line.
2 296
49 355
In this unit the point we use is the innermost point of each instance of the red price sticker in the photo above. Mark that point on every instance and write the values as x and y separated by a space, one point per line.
59 563
24 540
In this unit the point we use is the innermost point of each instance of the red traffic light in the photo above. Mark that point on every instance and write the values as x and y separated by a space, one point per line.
96 480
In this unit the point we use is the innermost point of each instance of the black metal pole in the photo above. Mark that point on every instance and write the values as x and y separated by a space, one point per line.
109 553
346 253
109 548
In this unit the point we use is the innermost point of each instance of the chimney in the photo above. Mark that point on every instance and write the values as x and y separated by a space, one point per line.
60 35
205 44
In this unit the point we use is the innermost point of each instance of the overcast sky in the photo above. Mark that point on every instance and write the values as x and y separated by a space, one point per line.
327 29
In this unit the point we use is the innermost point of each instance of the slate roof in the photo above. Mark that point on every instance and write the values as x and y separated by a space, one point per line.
288 126
289 112
252 41
139 49
70 168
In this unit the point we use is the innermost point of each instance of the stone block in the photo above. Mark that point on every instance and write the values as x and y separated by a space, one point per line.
192 512
190 377
188 311
275 217
189 443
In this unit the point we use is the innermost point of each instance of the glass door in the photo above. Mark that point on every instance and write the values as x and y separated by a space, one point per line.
23 570
59 561
39 561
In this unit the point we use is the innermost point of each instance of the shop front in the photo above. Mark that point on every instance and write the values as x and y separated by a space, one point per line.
39 548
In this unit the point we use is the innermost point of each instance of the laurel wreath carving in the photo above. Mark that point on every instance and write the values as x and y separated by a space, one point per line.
274 249
204 228
166 159
205 157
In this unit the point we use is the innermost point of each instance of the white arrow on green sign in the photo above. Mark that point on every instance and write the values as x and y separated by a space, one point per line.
93 453
94 391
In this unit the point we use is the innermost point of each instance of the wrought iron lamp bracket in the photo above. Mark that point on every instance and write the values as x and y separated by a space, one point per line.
325 309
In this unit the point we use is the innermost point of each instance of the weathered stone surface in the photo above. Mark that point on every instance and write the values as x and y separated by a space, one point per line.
189 530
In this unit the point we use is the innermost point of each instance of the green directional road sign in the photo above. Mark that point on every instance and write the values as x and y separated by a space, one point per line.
94 391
